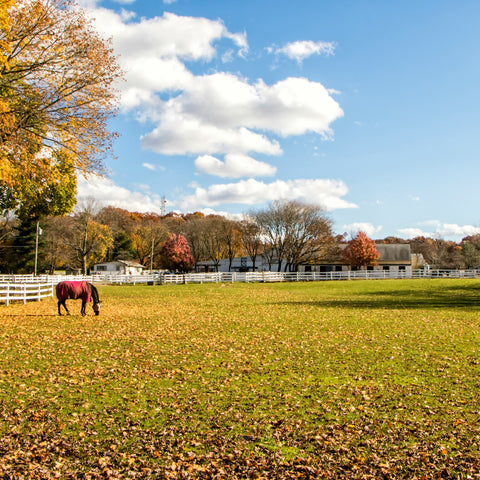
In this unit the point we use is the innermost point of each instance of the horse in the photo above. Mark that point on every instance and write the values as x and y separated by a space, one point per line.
74 290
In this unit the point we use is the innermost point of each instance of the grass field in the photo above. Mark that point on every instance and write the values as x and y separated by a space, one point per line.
364 379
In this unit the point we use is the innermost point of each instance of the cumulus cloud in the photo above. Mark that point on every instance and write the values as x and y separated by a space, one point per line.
324 192
217 113
234 166
152 51
301 50
365 227
437 229
188 38
221 113
190 136
148 166
106 192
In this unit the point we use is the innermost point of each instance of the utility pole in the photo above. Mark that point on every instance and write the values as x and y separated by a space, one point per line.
151 256
163 207
37 233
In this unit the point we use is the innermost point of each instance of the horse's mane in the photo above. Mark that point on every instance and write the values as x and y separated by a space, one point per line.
94 291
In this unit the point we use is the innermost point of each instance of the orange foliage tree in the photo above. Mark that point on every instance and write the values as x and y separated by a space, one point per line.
361 251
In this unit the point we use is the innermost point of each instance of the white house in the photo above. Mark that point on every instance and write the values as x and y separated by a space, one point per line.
124 267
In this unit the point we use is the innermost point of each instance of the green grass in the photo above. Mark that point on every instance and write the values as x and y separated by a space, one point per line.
363 379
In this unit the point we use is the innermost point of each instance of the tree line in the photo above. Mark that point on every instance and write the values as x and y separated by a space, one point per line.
284 235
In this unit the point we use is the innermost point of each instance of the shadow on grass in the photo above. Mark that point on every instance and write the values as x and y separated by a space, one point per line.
436 297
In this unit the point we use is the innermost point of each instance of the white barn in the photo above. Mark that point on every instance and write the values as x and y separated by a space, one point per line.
123 267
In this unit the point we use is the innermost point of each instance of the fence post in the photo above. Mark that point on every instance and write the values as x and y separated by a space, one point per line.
8 293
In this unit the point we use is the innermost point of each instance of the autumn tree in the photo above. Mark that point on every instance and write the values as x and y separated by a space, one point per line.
310 237
195 231
176 255
118 219
251 239
148 237
231 233
471 251
56 248
438 253
216 248
361 251
56 93
294 232
88 240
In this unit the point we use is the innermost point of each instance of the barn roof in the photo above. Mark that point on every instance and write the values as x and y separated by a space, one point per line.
394 252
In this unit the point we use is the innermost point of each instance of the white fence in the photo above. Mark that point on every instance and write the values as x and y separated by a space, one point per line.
25 291
231 277
29 287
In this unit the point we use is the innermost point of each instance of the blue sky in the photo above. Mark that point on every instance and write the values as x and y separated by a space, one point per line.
367 108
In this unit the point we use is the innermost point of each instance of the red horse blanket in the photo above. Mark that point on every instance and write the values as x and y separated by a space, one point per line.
74 290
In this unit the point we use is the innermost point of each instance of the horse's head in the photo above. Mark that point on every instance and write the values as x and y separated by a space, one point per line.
96 308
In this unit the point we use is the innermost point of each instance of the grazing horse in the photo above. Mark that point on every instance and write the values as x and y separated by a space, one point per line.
74 290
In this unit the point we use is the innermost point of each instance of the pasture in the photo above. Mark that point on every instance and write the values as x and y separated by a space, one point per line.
363 379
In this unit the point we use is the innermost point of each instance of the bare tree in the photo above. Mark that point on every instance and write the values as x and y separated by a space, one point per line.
216 248
56 248
294 232
231 233
251 239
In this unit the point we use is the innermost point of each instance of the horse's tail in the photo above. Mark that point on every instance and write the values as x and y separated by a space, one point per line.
94 291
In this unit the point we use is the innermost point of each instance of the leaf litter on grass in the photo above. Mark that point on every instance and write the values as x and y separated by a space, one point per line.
249 381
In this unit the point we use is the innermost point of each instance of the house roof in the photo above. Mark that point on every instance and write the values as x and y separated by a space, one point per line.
130 263
127 263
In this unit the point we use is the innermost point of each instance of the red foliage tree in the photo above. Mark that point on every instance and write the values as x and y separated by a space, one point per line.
176 254
361 251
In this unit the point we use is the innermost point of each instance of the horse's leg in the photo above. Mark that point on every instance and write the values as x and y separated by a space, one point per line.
62 302
84 306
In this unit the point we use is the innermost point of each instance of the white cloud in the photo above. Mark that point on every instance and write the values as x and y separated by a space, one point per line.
437 229
412 232
106 192
303 49
148 166
221 113
323 192
234 166
187 38
169 2
292 106
151 51
218 113
178 135
209 114
365 227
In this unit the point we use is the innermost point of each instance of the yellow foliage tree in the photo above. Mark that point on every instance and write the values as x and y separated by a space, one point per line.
56 90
